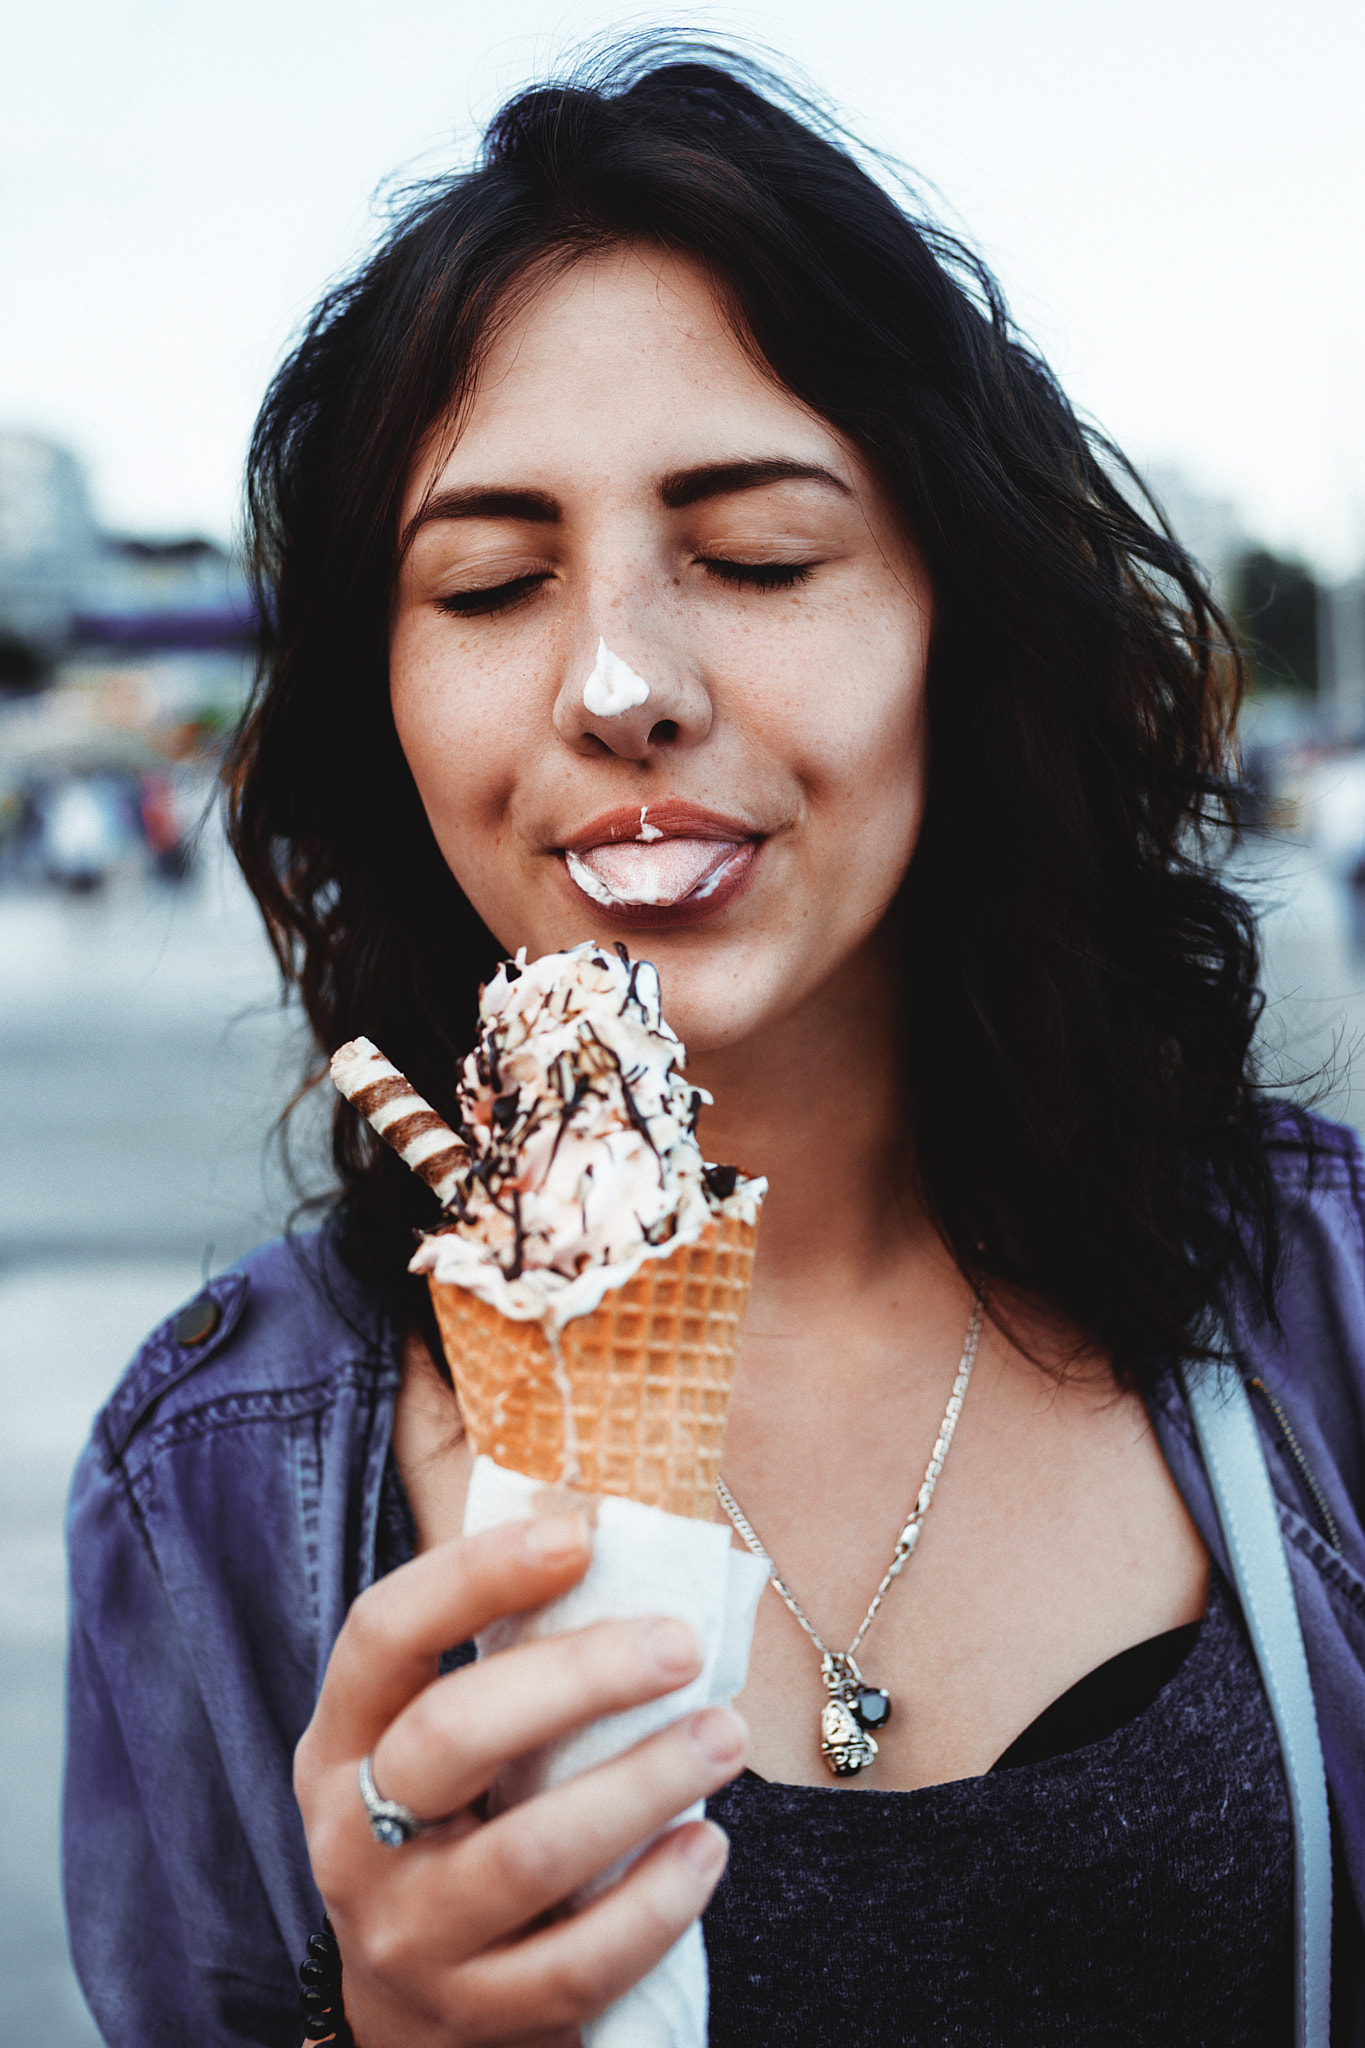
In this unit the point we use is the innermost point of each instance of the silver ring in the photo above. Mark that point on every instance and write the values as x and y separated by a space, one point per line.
391 1822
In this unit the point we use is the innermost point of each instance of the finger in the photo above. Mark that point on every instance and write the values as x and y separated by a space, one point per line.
536 1855
446 1746
396 1630
572 1971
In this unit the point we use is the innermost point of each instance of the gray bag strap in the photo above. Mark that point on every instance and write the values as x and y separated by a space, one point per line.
1241 1487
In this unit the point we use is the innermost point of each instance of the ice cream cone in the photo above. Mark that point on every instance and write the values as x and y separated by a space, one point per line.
632 1398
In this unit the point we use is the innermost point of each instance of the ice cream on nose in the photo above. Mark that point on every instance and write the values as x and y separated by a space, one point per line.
613 686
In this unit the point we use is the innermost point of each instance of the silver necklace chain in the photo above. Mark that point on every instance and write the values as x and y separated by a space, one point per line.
909 1535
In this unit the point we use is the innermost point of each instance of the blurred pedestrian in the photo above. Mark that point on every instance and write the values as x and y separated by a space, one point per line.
83 832
162 828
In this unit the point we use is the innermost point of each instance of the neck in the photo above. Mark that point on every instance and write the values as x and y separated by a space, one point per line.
819 1107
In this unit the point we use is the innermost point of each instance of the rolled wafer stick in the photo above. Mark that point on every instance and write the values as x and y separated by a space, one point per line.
388 1101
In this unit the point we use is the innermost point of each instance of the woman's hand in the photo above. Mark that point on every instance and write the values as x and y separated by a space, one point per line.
455 1937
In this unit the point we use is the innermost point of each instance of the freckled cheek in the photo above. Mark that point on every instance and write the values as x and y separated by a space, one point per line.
846 729
866 803
460 736
859 754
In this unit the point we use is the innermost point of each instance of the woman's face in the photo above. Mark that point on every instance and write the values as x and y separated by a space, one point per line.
631 503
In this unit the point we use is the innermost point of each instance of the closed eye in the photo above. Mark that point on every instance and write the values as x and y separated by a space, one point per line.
497 597
758 575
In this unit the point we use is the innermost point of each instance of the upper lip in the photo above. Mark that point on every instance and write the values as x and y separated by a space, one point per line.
671 816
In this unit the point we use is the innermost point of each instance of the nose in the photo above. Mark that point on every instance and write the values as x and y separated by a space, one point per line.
635 700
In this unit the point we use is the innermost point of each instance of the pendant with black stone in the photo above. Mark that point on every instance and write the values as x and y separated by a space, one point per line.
849 1716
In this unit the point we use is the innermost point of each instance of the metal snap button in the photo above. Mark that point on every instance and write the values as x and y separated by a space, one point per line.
197 1323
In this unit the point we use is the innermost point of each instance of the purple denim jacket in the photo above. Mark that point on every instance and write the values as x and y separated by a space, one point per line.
223 1517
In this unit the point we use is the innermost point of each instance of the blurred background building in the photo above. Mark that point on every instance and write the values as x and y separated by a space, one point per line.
123 661
48 542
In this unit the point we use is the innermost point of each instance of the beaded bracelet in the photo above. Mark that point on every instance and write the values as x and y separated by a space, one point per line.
324 2015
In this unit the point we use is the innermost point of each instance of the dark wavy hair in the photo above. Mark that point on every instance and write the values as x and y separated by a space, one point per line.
1080 988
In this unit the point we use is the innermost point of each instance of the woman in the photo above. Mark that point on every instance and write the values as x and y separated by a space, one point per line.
933 737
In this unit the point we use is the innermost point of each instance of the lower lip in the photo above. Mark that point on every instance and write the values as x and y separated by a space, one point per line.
693 909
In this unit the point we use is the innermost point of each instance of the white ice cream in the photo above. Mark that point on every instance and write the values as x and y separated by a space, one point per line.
585 1162
613 686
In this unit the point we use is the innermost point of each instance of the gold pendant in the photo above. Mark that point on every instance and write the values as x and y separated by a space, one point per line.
848 1716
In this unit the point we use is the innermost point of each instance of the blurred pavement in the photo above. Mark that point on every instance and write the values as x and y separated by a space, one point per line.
145 1054
65 1334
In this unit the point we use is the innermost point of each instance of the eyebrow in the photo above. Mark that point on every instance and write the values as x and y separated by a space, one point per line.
679 488
723 479
482 501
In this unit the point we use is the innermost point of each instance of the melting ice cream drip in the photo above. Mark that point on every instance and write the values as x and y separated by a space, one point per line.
571 1467
613 686
588 882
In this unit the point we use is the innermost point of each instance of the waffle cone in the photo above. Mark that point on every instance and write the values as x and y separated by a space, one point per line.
645 1378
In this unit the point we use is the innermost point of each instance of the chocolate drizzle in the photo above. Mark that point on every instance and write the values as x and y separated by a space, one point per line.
573 1152
576 1056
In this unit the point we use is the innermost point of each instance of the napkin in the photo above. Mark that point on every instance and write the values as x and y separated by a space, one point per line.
644 1562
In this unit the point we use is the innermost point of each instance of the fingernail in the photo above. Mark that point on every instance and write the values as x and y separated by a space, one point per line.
707 1849
560 1538
718 1735
671 1646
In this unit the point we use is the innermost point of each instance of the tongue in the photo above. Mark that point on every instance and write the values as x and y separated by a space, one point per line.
663 872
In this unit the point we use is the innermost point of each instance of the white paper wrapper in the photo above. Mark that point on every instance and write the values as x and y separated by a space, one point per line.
644 1562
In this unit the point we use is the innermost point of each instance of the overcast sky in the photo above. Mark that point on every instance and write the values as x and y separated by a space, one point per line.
1172 193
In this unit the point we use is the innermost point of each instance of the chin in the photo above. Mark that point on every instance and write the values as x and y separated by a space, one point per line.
717 995
723 981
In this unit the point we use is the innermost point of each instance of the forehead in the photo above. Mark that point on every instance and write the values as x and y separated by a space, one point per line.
625 360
